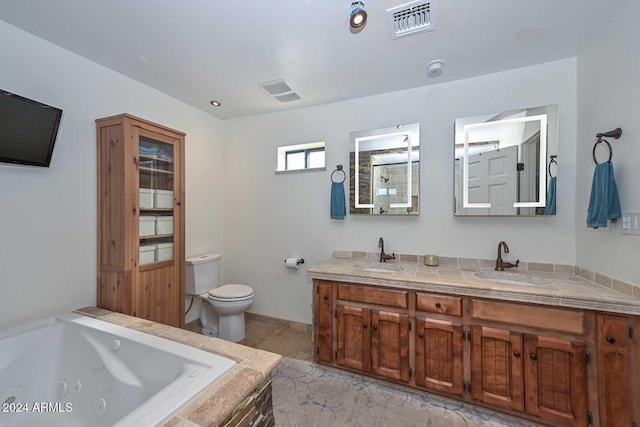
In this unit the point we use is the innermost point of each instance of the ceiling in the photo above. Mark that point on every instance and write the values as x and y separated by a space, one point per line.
200 50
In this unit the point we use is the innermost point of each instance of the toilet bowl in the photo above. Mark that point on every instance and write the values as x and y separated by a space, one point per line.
222 308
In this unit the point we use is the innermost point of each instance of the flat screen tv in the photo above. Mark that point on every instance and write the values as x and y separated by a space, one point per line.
28 130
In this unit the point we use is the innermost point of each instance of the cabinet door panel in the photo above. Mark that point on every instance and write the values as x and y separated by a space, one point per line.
439 346
354 345
496 368
324 318
555 380
390 345
156 298
613 371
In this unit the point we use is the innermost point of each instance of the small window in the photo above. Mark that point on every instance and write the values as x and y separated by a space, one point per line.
301 157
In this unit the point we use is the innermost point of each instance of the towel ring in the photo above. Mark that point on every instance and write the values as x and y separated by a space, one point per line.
600 139
339 169
553 160
615 134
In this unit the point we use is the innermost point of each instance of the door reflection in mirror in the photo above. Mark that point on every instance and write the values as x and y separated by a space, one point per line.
501 161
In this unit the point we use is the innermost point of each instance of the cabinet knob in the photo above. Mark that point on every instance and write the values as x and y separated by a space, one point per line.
611 340
516 353
326 297
533 356
365 325
179 203
420 335
375 327
438 305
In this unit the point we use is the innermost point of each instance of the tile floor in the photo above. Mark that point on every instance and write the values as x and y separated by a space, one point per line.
279 339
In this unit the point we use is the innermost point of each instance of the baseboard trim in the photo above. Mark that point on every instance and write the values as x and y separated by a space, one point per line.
296 326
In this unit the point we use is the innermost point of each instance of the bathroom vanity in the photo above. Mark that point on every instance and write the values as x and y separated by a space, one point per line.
553 348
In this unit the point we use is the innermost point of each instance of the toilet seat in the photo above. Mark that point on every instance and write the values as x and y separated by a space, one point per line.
231 292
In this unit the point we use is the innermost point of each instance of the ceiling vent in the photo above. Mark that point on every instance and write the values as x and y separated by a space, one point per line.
279 90
411 18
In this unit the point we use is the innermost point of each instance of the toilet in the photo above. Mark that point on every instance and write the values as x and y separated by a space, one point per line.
222 309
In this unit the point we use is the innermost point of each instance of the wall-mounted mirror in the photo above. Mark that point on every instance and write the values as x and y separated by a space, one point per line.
385 171
504 163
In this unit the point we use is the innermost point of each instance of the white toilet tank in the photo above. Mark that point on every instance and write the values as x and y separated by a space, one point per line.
202 274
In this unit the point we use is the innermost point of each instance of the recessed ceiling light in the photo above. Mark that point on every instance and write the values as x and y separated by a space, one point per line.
215 103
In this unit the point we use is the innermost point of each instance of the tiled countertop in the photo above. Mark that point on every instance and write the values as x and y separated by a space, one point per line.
566 290
215 404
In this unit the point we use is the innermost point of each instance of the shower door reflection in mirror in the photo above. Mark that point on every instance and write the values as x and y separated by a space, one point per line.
385 171
502 162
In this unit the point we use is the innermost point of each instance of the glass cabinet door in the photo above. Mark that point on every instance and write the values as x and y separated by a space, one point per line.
156 188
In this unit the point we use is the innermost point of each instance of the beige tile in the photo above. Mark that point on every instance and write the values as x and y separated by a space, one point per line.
542 267
563 269
286 342
586 274
603 280
622 287
257 332
408 258
487 264
179 422
358 255
468 263
636 292
342 254
448 261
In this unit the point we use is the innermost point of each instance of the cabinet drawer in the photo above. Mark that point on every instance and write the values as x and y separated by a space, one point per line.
555 319
373 295
443 304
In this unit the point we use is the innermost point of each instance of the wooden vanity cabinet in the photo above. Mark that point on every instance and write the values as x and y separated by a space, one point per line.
554 365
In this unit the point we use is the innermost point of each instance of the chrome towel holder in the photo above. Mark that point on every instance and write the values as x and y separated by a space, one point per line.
615 134
553 158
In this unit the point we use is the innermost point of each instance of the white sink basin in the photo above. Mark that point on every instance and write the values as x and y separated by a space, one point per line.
379 267
509 278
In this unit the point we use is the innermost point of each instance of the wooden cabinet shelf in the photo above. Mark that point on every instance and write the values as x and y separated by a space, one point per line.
527 360
155 170
136 154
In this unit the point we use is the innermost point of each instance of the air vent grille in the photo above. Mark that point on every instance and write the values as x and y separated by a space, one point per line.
280 90
411 18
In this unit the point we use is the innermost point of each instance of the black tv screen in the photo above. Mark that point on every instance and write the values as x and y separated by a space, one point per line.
28 130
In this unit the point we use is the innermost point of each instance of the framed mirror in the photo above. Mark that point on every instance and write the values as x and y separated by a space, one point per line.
505 163
385 171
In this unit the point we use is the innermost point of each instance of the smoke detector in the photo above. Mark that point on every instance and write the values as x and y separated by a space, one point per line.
280 90
434 68
411 18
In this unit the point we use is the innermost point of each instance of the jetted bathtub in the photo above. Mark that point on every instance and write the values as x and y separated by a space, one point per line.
73 370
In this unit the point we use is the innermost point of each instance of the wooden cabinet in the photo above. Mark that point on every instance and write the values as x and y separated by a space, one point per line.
439 355
554 365
614 364
354 339
496 368
141 219
390 345
374 341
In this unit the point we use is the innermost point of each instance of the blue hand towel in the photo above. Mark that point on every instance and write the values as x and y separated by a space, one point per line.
338 207
604 203
550 206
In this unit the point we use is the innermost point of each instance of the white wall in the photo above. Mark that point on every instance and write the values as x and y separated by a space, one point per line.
609 97
269 217
48 221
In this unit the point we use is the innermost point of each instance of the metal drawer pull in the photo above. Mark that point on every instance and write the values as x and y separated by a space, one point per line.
533 356
611 340
420 335
516 353
326 297
438 305
365 325
375 327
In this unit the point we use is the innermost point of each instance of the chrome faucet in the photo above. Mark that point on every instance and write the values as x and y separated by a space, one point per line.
501 265
384 257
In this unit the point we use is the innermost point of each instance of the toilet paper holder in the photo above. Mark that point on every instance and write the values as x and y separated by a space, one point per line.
298 261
